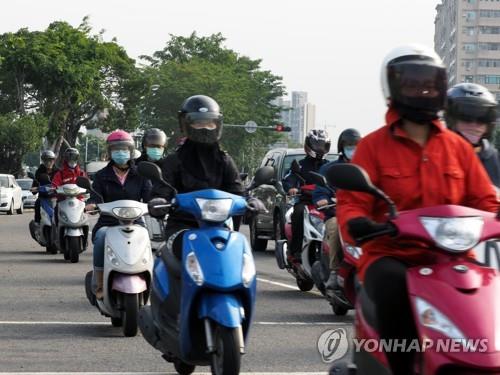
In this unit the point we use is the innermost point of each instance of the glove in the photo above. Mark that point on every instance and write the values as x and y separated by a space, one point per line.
360 227
255 205
158 212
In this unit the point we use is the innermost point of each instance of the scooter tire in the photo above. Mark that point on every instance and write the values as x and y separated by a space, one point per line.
116 322
305 285
338 310
183 368
226 360
88 288
51 248
130 314
73 245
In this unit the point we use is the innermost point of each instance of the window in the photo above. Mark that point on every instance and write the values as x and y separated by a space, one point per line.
470 15
469 31
489 46
25 184
489 30
468 79
469 47
489 13
4 181
468 64
488 63
488 79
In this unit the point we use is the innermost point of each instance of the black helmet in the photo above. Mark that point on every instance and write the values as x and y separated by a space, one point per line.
154 136
196 109
48 155
348 136
471 102
414 83
71 155
317 143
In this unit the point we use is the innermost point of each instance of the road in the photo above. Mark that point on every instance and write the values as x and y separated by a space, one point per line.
47 324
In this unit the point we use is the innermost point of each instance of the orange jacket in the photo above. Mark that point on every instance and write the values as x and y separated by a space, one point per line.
445 171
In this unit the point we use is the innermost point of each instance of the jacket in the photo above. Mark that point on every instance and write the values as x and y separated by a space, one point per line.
67 175
307 164
106 184
320 192
444 171
491 161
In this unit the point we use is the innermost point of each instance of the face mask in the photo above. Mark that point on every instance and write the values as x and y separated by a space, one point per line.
154 153
349 152
72 164
120 157
472 132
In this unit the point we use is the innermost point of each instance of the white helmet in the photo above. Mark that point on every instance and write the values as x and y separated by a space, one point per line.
414 82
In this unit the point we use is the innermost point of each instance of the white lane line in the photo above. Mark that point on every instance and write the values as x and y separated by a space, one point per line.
288 286
48 323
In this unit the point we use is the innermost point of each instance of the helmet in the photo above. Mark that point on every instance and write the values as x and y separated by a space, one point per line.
196 109
71 155
48 155
471 102
348 136
120 138
154 136
317 143
414 83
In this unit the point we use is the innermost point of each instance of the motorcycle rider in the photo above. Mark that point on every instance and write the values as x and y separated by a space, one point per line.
70 170
199 163
316 145
154 143
418 163
118 180
47 167
471 112
346 146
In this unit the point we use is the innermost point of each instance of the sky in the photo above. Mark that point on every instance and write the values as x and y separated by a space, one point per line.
331 49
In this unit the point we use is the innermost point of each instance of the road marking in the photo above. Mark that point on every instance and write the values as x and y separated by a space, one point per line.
288 286
48 323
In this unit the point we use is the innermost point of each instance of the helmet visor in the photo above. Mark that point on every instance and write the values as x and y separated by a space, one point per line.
471 110
418 85
200 117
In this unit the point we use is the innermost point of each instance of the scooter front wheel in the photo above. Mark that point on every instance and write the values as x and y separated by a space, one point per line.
73 245
183 368
305 285
130 314
226 359
50 247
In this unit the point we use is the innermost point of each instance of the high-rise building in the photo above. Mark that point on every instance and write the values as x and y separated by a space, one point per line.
467 37
310 117
298 114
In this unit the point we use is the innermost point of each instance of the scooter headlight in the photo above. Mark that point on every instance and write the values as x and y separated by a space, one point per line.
317 223
433 318
194 269
216 210
454 234
127 213
112 257
248 270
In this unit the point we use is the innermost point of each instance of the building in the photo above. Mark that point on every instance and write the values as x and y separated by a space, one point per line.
467 37
309 117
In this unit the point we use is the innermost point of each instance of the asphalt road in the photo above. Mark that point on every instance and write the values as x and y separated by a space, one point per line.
47 324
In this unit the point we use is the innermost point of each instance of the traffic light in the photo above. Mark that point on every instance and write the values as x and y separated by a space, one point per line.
282 128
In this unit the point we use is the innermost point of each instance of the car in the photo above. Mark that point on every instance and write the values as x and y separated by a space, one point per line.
29 198
270 226
11 196
93 167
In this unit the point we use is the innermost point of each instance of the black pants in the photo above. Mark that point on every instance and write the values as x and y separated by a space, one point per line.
385 284
38 215
297 229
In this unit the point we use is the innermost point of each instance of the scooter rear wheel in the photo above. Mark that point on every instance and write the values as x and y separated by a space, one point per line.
51 248
116 322
338 310
73 246
183 368
227 358
130 314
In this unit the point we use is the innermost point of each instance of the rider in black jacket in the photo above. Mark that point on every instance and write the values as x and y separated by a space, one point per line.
197 164
47 167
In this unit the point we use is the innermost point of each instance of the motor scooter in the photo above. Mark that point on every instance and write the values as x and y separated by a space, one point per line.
128 264
202 301
452 299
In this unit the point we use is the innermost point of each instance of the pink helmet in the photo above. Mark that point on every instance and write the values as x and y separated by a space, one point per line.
120 138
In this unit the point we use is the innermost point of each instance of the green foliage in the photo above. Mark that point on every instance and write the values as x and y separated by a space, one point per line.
18 136
202 65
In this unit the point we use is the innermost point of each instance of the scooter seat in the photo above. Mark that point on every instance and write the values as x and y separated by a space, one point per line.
368 308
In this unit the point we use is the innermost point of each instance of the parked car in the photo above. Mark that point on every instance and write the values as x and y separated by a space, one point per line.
11 197
29 198
270 226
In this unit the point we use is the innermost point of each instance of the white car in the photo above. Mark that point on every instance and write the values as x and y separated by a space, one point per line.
11 196
29 198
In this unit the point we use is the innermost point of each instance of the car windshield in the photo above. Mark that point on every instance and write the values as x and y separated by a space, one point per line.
25 184
287 163
4 181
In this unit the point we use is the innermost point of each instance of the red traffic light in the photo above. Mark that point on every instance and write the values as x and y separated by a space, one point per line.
282 128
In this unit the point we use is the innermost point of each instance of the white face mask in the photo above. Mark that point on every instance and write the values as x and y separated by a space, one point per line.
72 164
349 152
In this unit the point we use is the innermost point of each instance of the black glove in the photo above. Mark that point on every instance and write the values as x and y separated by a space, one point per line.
255 205
155 211
360 227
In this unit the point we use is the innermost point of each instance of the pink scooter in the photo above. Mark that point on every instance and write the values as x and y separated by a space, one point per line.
454 299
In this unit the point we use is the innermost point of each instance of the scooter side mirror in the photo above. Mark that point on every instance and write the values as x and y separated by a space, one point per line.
158 208
44 179
153 172
318 179
83 182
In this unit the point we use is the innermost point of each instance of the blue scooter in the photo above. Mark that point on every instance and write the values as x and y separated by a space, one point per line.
202 305
41 232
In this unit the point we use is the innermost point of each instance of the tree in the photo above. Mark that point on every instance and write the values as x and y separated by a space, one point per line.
71 76
202 65
19 135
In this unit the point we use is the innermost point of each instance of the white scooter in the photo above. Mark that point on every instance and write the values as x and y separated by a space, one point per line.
128 264
70 233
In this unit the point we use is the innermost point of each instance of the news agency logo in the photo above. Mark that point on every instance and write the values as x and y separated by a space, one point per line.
333 344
